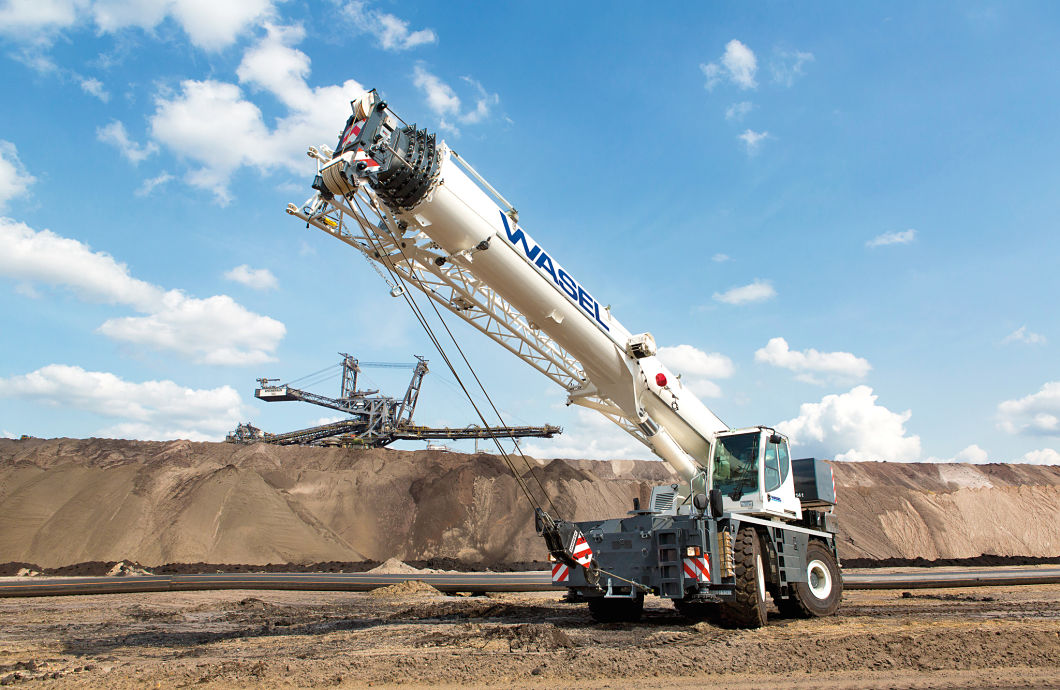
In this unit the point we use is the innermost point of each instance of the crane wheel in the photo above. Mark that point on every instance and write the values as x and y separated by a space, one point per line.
747 608
823 589
616 610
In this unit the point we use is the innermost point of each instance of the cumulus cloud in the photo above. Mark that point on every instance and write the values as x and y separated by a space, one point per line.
592 436
447 105
1045 456
115 134
215 330
902 237
737 111
151 410
257 278
720 258
753 140
1022 335
1035 414
95 88
698 369
809 364
787 66
738 64
14 180
209 25
213 126
972 453
392 33
851 426
757 291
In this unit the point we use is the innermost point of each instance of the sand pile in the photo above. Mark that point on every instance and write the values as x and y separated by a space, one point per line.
65 501
404 589
395 566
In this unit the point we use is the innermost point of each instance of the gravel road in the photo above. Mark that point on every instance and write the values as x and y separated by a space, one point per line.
987 637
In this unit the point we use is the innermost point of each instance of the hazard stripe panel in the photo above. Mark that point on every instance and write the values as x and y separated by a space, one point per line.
697 568
560 572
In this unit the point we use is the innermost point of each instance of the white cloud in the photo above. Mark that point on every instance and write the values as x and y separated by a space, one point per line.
972 453
7 434
150 184
720 258
738 65
446 104
94 87
809 363
902 237
36 20
1035 414
737 111
115 134
209 25
851 426
1022 335
698 368
257 278
753 140
787 66
14 180
593 437
391 32
1045 456
211 124
152 410
757 291
215 330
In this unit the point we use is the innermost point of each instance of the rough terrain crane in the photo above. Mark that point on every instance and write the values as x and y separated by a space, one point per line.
731 532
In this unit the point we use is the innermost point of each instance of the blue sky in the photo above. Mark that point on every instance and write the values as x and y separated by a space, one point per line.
836 218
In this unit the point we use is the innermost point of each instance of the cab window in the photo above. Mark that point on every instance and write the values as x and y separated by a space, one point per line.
772 476
736 465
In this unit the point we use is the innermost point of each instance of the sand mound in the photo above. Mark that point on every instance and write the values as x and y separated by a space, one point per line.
65 501
121 569
395 566
404 589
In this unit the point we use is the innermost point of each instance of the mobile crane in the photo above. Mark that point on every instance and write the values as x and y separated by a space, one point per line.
745 521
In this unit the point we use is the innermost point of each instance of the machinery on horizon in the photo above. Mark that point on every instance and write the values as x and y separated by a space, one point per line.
744 521
375 420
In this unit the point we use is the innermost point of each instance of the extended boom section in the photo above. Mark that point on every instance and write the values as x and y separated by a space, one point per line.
717 543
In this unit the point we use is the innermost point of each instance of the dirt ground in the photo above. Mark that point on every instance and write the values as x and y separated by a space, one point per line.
985 637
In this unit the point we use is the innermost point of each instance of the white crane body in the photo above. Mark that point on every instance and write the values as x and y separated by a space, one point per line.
409 203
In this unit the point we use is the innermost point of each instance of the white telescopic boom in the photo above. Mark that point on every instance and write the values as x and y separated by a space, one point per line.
427 195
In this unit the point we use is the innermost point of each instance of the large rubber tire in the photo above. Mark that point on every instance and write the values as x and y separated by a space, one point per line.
616 610
821 594
698 610
747 608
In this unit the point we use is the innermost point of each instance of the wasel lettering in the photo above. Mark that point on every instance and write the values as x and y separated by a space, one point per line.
561 278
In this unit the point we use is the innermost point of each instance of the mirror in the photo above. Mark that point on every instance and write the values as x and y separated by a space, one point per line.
776 439
700 502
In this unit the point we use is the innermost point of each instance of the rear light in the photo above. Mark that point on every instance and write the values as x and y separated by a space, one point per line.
660 379
692 551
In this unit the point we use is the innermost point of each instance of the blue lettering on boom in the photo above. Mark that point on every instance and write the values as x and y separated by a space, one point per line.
562 279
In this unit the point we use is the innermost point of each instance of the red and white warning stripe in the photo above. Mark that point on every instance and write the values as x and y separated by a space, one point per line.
560 572
368 160
351 133
581 551
697 568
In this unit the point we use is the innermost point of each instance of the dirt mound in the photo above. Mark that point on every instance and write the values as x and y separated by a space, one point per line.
65 501
394 566
404 589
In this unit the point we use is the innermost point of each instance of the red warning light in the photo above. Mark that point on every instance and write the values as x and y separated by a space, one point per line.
660 380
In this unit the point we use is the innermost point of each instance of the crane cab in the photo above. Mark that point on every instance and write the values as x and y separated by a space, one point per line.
752 470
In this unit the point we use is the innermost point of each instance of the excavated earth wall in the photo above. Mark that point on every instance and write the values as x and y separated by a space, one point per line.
65 501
